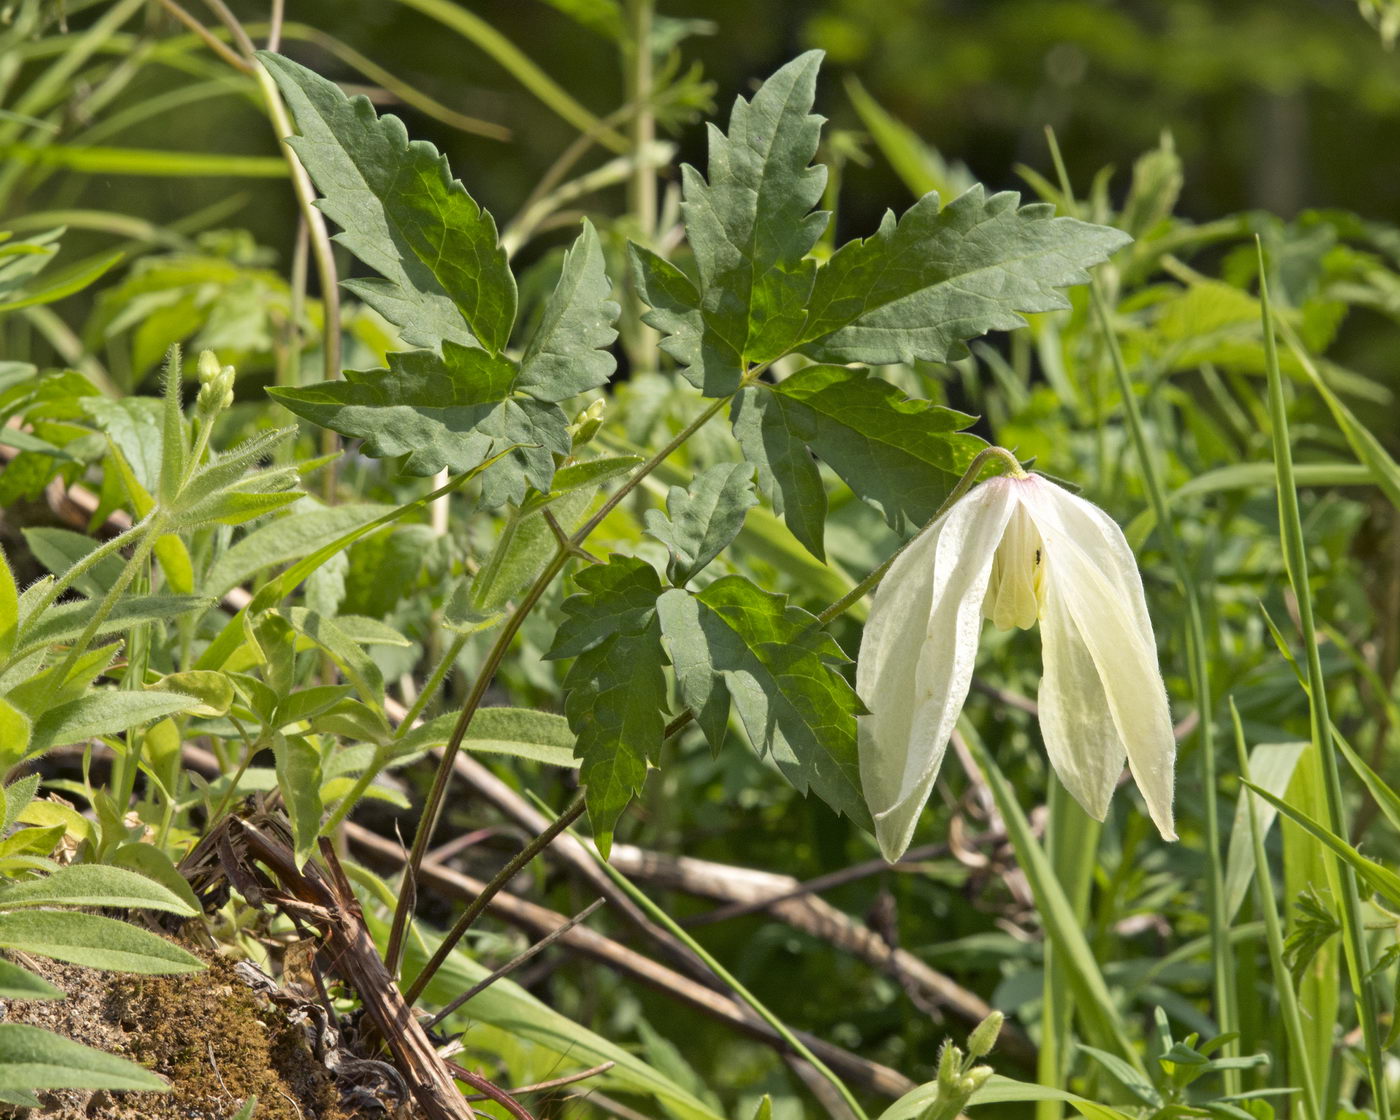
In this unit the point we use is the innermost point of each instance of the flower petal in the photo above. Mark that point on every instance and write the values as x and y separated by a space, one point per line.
1076 719
1091 570
916 658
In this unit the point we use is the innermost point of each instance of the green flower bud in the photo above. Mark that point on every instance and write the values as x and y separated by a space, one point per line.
587 423
949 1068
984 1035
975 1079
208 366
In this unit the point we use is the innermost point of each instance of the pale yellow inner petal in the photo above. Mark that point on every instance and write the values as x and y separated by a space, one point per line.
1016 593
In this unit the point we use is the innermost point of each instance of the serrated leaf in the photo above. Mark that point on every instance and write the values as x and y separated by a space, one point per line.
33 1058
750 223
921 286
103 712
568 353
90 884
93 941
450 411
735 641
703 517
900 455
445 276
709 362
616 702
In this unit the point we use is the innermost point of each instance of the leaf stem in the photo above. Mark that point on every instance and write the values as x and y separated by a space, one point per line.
664 920
1296 564
964 484
488 892
432 809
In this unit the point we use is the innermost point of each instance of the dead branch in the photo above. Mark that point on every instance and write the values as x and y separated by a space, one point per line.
786 901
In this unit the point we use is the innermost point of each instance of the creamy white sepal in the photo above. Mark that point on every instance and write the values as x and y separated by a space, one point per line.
1102 694
917 655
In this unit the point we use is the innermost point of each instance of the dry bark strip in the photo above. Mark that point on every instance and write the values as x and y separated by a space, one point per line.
540 920
323 899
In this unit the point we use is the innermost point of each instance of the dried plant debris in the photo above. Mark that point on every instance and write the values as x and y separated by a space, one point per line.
217 1040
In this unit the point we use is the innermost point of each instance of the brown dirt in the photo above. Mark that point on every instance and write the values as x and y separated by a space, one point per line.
206 1033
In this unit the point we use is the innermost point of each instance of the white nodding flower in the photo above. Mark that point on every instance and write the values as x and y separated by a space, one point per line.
1017 549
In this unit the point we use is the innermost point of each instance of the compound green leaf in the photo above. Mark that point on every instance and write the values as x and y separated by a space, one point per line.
568 353
735 641
450 411
750 225
616 703
920 287
400 211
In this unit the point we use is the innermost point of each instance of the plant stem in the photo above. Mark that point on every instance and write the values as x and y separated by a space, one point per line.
669 924
1268 904
433 683
1222 952
488 892
1296 564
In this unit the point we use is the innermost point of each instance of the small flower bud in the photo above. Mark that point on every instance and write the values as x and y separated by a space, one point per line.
984 1035
208 366
975 1079
949 1067
587 423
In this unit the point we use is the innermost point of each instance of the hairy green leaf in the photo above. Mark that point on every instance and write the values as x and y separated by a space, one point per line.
734 641
616 703
704 517
93 941
20 983
445 277
521 732
33 1058
90 884
103 712
920 287
900 455
298 534
299 779
568 353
